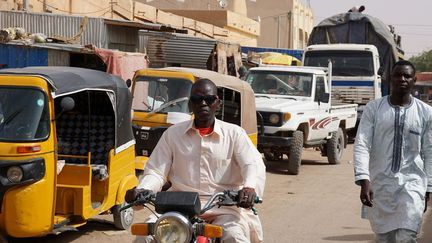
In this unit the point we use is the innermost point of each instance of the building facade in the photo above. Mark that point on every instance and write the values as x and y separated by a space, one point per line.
232 27
284 23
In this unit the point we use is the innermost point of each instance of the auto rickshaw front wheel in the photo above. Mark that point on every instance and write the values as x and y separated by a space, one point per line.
122 219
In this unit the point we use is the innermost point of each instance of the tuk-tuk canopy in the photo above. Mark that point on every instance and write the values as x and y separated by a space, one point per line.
248 110
70 80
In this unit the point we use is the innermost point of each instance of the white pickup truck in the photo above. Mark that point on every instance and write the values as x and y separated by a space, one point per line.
294 111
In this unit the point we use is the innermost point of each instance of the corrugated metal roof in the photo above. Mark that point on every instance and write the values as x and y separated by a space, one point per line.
52 24
176 49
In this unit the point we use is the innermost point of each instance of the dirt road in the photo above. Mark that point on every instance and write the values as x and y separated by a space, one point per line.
319 205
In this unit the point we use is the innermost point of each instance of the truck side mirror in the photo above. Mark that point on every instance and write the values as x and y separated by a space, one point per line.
325 97
380 71
128 83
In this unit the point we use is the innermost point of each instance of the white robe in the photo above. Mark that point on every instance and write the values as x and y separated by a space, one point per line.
393 150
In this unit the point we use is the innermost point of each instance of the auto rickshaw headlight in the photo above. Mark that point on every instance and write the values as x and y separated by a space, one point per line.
274 118
14 174
172 227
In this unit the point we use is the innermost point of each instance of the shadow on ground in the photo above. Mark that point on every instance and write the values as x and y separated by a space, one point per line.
69 236
281 167
355 237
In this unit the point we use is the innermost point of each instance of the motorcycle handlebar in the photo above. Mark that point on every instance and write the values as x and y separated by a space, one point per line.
225 198
141 199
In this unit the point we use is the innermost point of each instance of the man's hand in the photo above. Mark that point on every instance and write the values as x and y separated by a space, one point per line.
246 197
426 201
366 194
132 194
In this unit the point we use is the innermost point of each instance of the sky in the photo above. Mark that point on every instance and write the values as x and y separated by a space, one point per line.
412 19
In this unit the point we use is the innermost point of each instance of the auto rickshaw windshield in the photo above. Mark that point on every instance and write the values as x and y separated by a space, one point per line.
23 114
161 95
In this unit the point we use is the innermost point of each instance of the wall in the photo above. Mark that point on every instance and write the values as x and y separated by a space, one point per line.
136 11
242 30
293 18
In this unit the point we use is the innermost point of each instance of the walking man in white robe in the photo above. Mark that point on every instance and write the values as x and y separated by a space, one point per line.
393 159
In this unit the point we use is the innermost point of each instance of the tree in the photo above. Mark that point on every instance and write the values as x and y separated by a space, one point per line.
423 62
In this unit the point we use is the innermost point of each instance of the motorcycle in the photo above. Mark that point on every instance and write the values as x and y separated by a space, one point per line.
179 219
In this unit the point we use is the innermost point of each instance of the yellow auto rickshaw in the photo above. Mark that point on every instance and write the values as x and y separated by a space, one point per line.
160 99
66 149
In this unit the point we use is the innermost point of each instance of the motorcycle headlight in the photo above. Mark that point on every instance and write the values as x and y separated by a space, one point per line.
274 118
173 227
14 174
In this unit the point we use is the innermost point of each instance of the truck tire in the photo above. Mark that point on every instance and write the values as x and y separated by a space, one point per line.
335 147
295 153
122 219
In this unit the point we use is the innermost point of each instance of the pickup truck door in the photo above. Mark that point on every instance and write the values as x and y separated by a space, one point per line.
321 119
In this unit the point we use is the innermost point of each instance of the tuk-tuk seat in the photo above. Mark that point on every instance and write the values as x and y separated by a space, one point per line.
99 172
77 134
73 181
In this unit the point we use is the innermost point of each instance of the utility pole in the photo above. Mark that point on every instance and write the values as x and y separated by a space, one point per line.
278 31
25 5
290 31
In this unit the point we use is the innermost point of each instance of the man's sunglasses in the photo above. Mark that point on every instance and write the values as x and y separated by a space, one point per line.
209 99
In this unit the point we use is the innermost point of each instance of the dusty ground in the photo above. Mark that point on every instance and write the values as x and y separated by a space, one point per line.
319 205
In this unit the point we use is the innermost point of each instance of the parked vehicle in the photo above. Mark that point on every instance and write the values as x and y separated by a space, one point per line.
161 99
180 216
67 149
363 50
295 111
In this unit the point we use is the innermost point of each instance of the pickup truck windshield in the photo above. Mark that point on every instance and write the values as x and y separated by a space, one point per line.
161 95
23 114
280 82
345 63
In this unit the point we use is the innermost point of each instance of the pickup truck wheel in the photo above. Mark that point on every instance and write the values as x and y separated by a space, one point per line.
335 147
295 153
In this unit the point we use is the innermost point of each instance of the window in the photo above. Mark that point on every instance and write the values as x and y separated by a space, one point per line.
320 87
345 63
230 108
161 95
25 118
280 82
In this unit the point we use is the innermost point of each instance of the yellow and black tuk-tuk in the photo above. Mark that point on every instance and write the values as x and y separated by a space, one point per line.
160 99
66 149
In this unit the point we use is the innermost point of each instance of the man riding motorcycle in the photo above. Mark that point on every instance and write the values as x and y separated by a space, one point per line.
206 155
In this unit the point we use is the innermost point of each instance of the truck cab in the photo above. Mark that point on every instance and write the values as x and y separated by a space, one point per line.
355 70
295 111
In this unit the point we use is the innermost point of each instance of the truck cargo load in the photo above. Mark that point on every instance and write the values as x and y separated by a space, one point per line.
359 28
